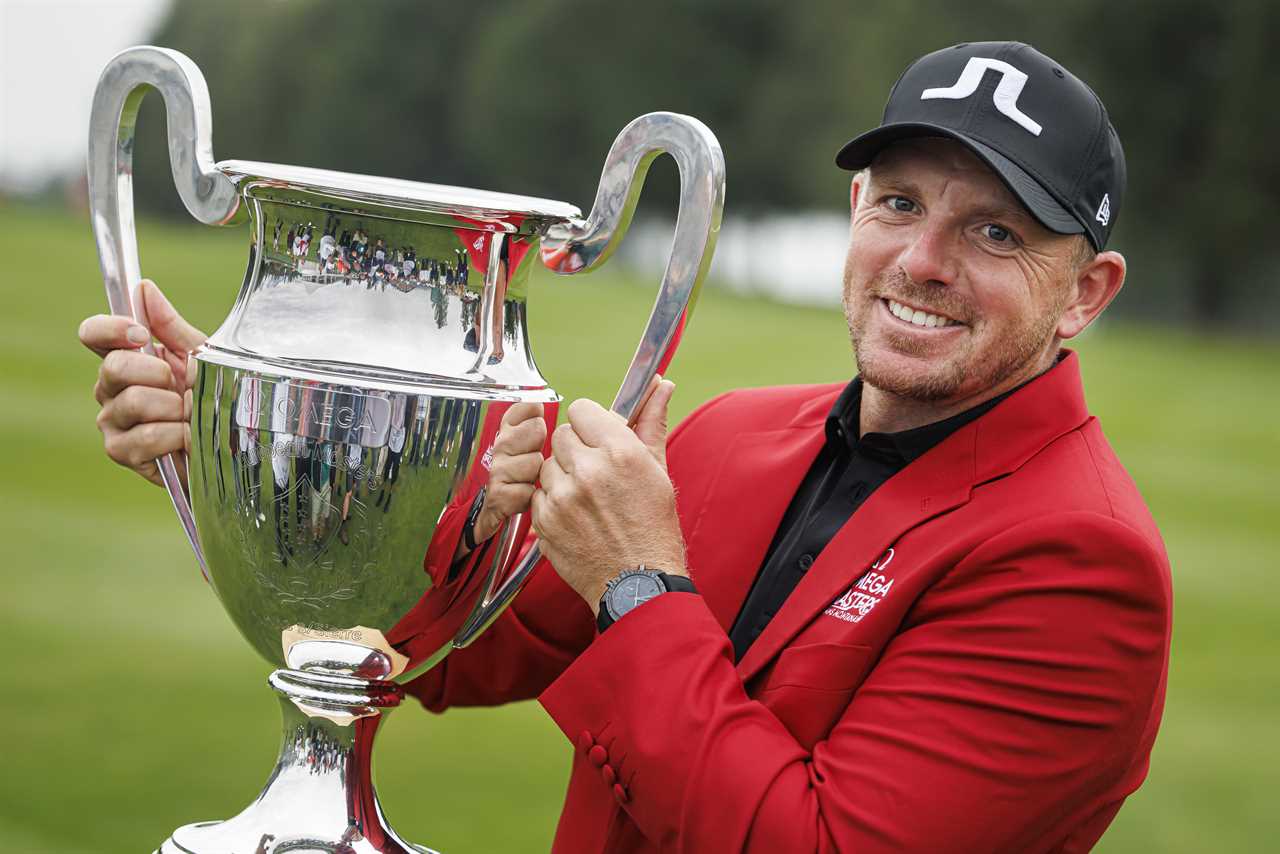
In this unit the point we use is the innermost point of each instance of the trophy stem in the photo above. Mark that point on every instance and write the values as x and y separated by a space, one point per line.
320 795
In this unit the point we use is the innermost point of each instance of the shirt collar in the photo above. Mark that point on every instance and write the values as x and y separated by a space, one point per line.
842 422
842 428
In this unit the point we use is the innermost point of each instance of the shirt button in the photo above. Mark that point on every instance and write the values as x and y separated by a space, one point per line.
597 755
806 561
620 793
610 776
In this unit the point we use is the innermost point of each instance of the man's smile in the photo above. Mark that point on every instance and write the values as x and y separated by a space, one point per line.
918 318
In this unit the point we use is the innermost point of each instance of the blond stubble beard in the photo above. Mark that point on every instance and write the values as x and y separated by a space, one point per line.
1014 354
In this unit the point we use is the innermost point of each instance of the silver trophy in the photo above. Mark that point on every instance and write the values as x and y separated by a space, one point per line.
343 415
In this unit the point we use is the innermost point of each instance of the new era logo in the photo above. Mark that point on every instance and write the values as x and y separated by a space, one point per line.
1005 97
1104 210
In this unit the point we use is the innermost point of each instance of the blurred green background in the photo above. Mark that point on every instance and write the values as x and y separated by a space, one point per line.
131 704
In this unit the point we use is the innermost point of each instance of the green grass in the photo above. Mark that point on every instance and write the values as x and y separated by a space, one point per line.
131 705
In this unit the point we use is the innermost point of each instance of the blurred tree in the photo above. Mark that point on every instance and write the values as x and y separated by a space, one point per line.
1186 84
362 88
526 97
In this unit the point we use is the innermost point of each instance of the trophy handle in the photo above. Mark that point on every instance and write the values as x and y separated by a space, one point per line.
208 194
581 246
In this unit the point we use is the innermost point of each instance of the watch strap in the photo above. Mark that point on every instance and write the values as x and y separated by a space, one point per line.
469 527
677 583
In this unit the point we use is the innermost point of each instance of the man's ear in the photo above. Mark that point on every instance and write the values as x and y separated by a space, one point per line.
1096 285
855 189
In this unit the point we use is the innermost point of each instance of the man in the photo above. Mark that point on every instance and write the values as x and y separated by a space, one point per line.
328 243
927 611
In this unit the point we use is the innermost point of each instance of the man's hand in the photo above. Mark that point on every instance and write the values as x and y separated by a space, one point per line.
146 400
517 459
606 502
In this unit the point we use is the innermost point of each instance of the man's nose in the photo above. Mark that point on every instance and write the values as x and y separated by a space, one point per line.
930 257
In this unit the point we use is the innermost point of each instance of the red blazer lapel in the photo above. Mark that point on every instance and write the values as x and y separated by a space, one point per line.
760 476
1030 419
940 480
933 484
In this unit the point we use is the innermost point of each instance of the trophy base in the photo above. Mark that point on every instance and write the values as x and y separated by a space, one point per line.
320 796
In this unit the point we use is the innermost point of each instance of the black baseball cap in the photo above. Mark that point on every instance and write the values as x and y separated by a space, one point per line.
1043 131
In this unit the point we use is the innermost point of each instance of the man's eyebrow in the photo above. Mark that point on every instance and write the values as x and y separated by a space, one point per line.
898 183
1005 211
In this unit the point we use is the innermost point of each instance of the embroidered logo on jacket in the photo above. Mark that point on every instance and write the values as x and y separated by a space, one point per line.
867 592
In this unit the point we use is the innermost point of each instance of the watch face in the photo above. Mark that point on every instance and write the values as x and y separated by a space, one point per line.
633 590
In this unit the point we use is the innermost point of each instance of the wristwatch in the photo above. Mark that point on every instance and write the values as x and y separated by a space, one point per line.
635 586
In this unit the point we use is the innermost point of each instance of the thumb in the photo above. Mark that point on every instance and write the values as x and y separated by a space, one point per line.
651 424
168 327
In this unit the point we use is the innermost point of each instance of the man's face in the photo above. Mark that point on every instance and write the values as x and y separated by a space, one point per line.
951 288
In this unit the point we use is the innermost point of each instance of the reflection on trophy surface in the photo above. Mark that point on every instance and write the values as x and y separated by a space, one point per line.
344 414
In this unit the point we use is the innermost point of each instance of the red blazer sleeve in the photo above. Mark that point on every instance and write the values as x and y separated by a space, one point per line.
1019 687
544 629
535 638
546 626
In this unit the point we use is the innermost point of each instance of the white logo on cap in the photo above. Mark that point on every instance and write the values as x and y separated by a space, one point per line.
1006 95
1104 210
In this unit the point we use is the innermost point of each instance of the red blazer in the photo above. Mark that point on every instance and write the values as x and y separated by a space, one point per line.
976 662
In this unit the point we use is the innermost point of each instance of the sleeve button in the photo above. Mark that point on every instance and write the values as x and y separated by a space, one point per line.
620 793
597 755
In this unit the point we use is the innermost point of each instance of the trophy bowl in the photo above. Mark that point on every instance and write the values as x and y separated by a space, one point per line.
343 416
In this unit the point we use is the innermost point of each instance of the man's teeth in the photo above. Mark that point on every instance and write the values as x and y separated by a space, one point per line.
917 317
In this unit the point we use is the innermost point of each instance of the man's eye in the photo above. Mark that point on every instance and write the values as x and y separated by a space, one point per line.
998 233
902 204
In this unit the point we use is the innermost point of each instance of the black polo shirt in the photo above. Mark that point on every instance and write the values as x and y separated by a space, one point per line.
847 470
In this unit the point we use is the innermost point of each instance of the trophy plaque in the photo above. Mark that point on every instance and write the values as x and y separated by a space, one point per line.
343 416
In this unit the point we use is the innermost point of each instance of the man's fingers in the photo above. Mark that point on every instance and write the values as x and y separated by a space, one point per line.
521 438
103 333
508 500
145 442
651 423
595 425
141 404
567 447
169 327
123 368
521 412
178 364
552 476
654 382
523 468
537 512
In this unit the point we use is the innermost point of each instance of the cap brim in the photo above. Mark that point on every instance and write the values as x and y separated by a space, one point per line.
860 151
